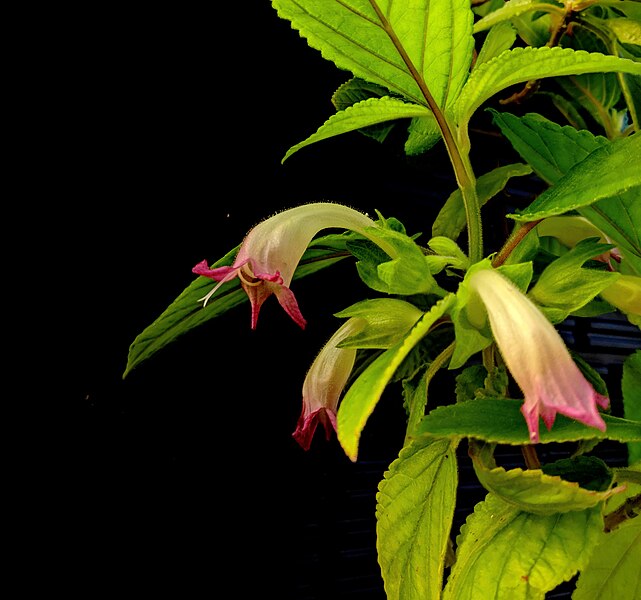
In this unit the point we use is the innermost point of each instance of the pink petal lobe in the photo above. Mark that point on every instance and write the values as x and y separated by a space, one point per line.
217 274
306 426
288 301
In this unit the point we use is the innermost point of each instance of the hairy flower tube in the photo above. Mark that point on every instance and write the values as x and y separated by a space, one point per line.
536 356
324 384
271 251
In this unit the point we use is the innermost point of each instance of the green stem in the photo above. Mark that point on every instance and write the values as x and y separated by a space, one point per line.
460 160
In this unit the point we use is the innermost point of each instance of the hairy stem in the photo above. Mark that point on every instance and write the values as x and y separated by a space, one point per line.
516 237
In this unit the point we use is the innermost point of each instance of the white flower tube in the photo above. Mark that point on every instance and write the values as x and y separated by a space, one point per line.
536 356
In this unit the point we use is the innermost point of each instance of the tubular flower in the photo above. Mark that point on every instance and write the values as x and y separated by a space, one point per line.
324 384
271 251
537 357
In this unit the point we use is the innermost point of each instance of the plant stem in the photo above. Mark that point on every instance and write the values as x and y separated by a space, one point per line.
630 509
513 241
531 457
460 161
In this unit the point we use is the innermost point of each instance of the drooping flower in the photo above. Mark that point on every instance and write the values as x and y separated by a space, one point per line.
536 356
324 384
271 251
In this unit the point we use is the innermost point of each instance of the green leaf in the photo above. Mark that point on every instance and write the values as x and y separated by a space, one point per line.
356 90
533 490
414 512
363 395
367 113
499 38
614 571
565 285
499 420
511 9
524 64
507 554
604 173
186 312
631 390
450 221
551 149
399 46
619 217
631 84
408 274
388 321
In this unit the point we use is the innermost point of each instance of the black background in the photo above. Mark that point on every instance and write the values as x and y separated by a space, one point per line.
156 138
159 141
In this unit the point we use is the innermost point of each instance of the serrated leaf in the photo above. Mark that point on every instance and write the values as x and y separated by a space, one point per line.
414 512
363 395
533 490
375 40
507 554
356 90
499 420
614 572
631 391
551 149
525 64
367 113
450 221
604 173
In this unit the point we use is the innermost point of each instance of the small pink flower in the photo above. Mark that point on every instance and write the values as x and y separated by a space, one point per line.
271 251
537 357
325 382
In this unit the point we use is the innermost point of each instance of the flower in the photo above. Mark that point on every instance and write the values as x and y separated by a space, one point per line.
537 357
271 251
324 384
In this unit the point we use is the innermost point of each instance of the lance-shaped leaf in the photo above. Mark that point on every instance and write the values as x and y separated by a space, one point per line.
186 312
549 148
499 420
604 173
614 570
363 395
524 64
403 47
373 111
414 511
505 553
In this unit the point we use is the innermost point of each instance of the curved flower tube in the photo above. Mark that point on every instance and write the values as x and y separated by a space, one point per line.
271 251
325 382
537 357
